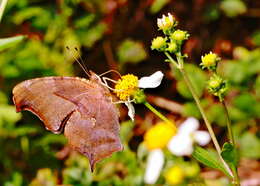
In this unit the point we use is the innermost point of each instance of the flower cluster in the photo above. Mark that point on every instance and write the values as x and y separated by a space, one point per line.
173 39
216 84
129 89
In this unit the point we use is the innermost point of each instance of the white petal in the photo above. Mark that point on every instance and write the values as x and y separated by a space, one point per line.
181 145
131 110
188 126
151 81
154 166
201 137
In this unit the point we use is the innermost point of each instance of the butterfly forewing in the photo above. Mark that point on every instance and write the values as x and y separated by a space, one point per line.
83 108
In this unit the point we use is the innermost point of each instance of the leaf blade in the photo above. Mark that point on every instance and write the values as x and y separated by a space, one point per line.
209 160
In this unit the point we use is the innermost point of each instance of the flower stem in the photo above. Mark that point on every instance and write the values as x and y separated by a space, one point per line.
197 100
236 180
209 127
2 8
230 133
157 113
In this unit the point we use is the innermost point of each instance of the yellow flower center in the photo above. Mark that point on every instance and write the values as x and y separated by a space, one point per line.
126 87
159 135
174 176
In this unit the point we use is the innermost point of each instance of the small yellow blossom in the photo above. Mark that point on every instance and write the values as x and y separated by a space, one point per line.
126 87
209 61
159 135
174 176
179 35
158 43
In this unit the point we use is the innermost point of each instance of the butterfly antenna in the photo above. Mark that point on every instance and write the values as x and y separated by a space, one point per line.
80 62
109 71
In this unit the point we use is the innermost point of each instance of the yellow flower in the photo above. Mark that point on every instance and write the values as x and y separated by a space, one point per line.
159 135
126 87
158 43
174 176
209 61
129 89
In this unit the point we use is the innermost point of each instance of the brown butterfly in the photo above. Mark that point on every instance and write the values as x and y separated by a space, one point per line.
82 108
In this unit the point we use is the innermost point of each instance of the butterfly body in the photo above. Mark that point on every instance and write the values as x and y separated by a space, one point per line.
82 108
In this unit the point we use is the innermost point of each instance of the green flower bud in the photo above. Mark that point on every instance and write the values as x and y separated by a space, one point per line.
179 35
210 61
217 86
172 47
158 43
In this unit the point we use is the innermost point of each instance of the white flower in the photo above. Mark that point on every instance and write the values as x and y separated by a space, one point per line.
166 22
151 81
154 166
180 145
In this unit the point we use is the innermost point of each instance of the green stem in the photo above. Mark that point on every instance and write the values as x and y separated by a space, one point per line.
236 180
230 133
197 100
208 125
156 112
2 8
171 59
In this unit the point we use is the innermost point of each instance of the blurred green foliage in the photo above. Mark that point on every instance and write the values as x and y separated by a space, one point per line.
131 51
35 34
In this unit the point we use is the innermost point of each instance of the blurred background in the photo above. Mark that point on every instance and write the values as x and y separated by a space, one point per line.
117 34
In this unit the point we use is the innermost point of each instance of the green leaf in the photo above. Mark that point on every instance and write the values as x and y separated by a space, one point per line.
10 42
85 21
246 102
8 114
89 37
126 131
216 114
256 38
233 8
208 159
131 51
250 146
27 13
191 109
157 5
230 155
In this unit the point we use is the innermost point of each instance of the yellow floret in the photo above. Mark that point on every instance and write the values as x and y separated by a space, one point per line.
159 135
174 176
126 87
209 60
